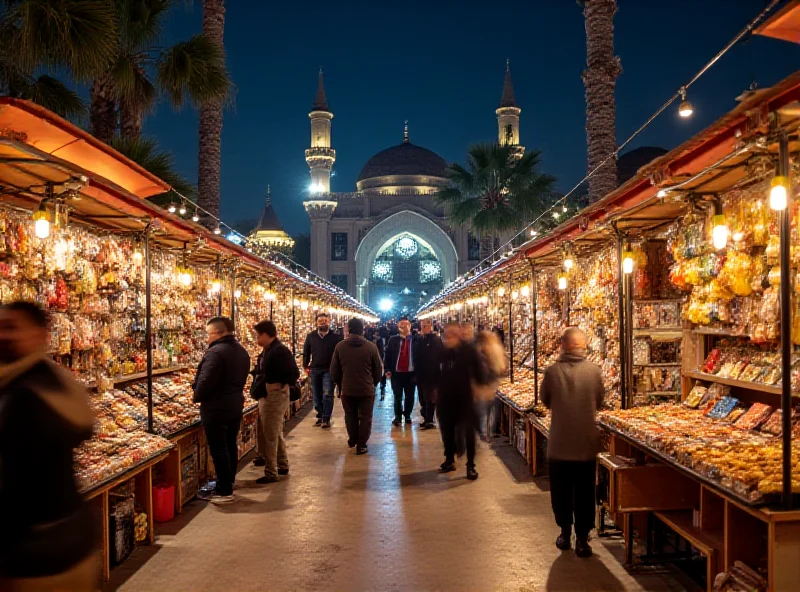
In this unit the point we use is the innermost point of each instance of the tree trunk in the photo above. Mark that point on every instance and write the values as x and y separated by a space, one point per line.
487 245
102 109
209 163
130 121
600 79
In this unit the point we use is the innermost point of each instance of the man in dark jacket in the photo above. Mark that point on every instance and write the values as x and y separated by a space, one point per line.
400 370
573 389
317 355
458 422
49 538
357 369
219 388
427 355
275 372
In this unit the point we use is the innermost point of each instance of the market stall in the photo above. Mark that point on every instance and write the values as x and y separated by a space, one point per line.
685 283
129 287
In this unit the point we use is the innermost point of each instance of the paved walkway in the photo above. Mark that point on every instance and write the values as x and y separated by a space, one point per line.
382 522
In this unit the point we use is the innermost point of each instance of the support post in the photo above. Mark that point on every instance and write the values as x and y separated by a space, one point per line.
148 326
786 324
233 295
219 294
534 311
621 315
294 327
511 331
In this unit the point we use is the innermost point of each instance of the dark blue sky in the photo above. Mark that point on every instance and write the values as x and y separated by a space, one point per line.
440 65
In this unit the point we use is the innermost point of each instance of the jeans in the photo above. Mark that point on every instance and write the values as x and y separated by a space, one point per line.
427 399
271 415
358 417
322 388
222 433
403 389
572 493
458 427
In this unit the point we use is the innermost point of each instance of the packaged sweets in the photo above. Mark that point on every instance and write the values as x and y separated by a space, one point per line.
754 417
723 407
696 395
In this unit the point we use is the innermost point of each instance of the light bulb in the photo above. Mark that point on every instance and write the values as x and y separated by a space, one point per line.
186 278
237 294
592 282
525 291
534 233
171 208
41 222
216 286
719 232
182 211
564 209
217 230
661 193
514 295
569 263
556 215
627 262
304 305
562 282
195 217
501 291
778 193
484 300
296 302
137 257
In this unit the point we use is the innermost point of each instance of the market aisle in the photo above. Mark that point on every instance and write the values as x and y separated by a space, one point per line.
385 521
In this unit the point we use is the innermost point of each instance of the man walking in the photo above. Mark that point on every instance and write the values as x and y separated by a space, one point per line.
317 356
573 389
427 356
461 369
400 370
219 388
357 369
275 372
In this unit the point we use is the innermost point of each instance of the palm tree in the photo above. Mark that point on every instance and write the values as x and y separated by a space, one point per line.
191 71
497 191
71 36
600 78
146 153
209 159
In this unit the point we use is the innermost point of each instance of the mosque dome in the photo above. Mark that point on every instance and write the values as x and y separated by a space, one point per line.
403 168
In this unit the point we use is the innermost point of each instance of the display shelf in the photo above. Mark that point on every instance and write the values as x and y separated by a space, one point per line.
113 480
657 365
141 375
511 404
732 382
539 426
661 332
718 332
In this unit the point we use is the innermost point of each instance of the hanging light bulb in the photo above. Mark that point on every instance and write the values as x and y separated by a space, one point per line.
137 256
569 262
195 217
484 300
719 232
216 285
237 293
185 277
182 210
501 291
171 207
514 295
562 281
525 291
533 232
685 109
556 215
217 230
627 262
304 305
778 194
564 208
41 222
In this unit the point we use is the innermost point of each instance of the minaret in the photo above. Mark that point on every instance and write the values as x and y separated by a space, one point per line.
508 115
320 157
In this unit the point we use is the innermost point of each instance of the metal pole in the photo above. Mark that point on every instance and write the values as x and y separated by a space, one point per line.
535 302
148 327
511 333
786 324
629 338
294 327
621 322
233 296
219 294
271 305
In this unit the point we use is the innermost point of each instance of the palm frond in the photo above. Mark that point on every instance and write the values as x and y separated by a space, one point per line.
193 71
52 94
146 153
141 22
131 83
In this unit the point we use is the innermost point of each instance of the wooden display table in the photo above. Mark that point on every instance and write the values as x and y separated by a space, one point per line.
722 525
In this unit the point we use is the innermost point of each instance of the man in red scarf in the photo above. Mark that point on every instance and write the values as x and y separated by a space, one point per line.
400 370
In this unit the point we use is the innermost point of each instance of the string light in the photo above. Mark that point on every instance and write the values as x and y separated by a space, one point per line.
562 281
216 285
719 228
501 291
182 211
778 193
195 217
41 222
525 291
237 294
217 230
171 207
685 109
627 262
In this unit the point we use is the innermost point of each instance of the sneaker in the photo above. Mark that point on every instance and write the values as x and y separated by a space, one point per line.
396 423
326 425
447 467
218 500
563 542
472 474
267 479
260 462
362 449
582 548
319 423
283 472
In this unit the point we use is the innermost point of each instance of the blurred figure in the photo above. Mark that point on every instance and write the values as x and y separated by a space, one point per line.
219 388
357 369
380 343
276 371
467 332
317 355
461 369
400 370
427 354
493 355
49 540
498 329
573 389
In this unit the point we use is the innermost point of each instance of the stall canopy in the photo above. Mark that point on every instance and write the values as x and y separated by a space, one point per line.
785 24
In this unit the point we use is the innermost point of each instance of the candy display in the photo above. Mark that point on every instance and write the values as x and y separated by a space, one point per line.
746 462
521 391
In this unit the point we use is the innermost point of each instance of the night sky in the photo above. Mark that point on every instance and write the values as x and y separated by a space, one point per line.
440 65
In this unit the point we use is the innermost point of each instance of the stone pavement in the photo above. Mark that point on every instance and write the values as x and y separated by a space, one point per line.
386 521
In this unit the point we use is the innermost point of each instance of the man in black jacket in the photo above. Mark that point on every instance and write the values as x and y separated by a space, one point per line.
49 537
275 372
357 369
427 355
317 356
400 370
219 388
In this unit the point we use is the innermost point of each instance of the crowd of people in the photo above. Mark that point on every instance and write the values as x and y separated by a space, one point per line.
50 538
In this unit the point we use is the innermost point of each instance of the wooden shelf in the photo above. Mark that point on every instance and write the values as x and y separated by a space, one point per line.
141 375
657 365
671 333
743 384
719 332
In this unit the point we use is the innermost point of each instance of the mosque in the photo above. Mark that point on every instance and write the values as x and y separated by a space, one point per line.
389 243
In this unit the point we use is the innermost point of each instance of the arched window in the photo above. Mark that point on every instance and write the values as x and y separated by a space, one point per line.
404 273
